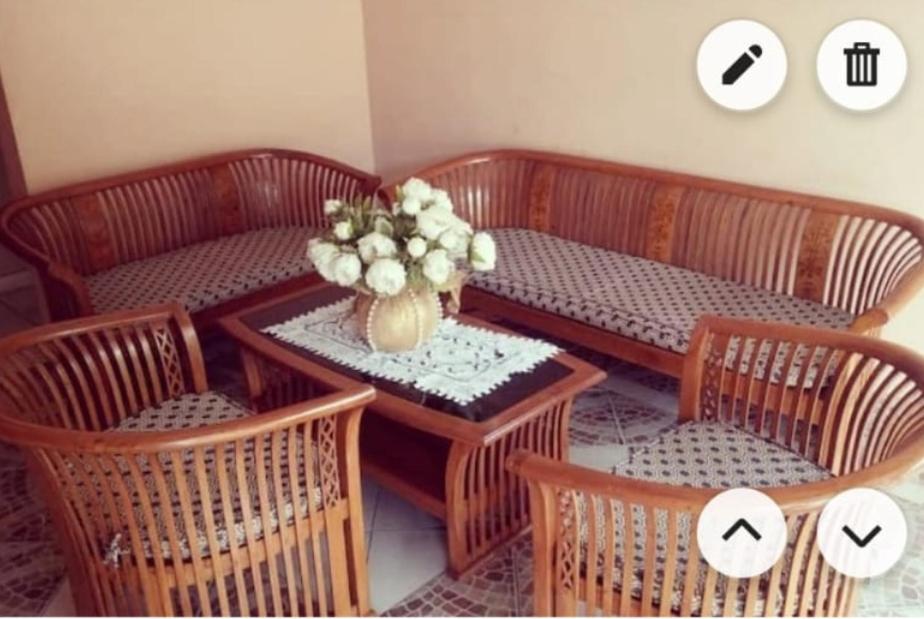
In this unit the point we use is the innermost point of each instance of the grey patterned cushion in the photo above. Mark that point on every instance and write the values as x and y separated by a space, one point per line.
190 410
205 274
717 455
701 455
641 299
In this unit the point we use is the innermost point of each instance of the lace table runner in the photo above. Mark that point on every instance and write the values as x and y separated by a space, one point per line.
460 363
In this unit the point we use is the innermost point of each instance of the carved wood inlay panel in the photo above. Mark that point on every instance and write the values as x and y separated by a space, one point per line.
540 198
815 255
661 218
225 195
91 218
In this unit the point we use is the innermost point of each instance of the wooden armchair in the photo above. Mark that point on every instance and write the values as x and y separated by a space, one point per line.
849 408
172 499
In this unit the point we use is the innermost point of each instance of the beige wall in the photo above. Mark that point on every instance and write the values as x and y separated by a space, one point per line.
616 79
97 87
101 86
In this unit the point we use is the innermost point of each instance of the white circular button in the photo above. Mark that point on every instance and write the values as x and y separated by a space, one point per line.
862 532
741 532
862 65
741 64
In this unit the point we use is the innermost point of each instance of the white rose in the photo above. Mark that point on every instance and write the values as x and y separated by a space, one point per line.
440 198
386 276
343 230
483 252
376 245
410 206
416 247
433 221
416 188
346 269
321 251
322 254
437 267
455 240
331 207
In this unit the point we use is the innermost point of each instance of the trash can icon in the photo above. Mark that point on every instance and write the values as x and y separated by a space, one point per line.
862 64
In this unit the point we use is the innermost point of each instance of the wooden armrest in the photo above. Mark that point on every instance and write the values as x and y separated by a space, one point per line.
901 292
870 320
66 280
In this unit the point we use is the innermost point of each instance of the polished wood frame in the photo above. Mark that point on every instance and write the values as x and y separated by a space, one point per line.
78 230
448 466
852 404
863 259
63 386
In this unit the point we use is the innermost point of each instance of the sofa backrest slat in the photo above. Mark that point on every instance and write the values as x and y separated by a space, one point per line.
491 194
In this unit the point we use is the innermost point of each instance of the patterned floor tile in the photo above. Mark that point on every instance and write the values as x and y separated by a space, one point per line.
10 457
30 572
16 496
902 587
604 416
488 591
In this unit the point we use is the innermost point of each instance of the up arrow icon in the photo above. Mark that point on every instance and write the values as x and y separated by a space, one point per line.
741 523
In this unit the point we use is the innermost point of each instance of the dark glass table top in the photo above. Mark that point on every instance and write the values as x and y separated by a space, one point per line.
517 388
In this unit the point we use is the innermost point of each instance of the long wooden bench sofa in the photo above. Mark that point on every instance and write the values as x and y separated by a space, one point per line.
213 233
626 259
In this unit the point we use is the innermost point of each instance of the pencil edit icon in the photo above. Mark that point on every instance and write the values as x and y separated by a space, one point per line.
744 62
741 65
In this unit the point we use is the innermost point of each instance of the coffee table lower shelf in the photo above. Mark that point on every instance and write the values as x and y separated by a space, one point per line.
464 484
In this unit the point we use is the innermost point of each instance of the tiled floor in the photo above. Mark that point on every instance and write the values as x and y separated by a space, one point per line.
407 551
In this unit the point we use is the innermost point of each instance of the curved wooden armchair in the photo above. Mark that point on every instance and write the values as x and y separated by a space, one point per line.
171 499
80 230
852 407
861 259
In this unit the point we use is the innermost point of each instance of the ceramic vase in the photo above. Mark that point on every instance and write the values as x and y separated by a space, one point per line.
398 323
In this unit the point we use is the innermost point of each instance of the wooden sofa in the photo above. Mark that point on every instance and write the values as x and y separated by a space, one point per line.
625 259
213 233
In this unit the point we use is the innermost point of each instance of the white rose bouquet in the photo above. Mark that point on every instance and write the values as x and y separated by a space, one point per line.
418 244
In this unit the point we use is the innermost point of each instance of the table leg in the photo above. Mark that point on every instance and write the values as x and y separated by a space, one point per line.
271 385
485 504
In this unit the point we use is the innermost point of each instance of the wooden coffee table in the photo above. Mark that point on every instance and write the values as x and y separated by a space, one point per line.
445 458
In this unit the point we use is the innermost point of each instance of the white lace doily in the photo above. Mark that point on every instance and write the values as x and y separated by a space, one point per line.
460 363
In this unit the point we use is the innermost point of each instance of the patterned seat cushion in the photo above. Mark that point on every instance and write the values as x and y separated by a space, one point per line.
641 299
718 455
701 455
207 273
197 410
190 410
